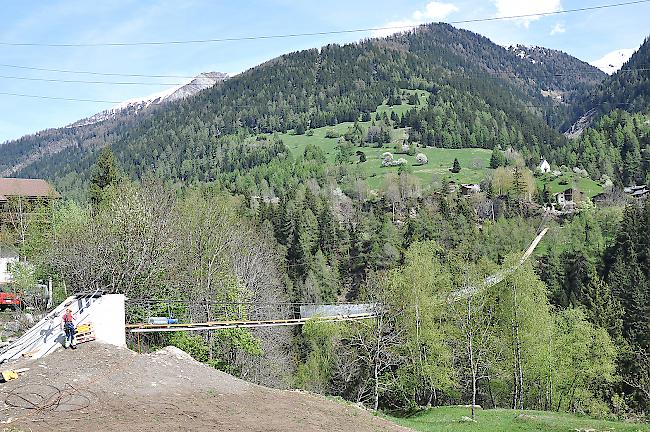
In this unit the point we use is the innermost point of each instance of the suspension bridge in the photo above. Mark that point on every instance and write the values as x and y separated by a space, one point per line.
242 315
251 315
107 314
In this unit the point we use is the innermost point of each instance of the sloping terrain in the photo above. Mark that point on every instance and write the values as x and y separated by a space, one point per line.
98 130
456 419
134 106
103 388
467 73
628 89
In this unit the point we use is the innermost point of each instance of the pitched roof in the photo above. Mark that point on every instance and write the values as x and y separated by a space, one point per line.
31 188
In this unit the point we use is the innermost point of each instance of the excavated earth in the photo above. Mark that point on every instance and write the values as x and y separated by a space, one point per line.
104 388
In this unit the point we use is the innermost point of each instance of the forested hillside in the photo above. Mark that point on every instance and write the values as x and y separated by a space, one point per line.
481 93
98 130
627 89
617 147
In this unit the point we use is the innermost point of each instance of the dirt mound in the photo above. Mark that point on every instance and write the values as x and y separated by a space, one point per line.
104 388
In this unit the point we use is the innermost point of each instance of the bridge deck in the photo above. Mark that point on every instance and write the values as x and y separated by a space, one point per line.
216 325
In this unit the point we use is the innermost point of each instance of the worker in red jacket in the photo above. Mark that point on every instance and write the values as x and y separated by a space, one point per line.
67 325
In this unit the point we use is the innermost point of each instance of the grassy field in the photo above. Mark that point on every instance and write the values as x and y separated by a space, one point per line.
585 185
423 96
474 162
456 419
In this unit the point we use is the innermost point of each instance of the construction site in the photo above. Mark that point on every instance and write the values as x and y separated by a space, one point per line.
103 385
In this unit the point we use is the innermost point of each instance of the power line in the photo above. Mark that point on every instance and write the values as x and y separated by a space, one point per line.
59 98
241 106
320 33
93 73
101 82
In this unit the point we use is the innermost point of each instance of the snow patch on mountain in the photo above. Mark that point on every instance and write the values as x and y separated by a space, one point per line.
135 105
613 61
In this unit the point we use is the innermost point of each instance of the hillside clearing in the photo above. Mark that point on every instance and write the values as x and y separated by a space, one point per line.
474 162
569 180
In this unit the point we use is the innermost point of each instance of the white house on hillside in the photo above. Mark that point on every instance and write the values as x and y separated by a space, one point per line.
544 166
8 257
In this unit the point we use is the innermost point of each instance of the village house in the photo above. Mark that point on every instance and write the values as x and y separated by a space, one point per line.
544 166
19 196
470 189
29 189
24 193
638 192
564 201
20 201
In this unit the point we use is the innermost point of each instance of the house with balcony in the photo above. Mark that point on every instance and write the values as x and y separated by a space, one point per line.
29 190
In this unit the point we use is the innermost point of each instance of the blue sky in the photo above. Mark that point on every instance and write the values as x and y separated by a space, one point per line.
586 35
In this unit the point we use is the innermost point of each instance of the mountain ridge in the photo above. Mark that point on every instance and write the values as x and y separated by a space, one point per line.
98 127
627 89
613 61
336 83
200 82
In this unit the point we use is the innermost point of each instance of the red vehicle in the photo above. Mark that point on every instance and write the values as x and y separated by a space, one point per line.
8 300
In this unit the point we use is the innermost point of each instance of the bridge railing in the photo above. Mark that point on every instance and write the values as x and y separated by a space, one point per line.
141 310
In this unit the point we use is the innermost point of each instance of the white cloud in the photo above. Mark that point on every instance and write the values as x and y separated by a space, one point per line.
507 8
612 61
558 29
433 11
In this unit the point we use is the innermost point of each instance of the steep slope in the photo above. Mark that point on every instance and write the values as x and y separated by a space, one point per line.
99 129
490 91
627 89
561 76
134 106
103 388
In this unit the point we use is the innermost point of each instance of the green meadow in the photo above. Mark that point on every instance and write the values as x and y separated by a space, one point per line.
453 418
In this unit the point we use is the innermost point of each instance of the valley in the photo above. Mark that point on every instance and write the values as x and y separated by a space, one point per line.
485 208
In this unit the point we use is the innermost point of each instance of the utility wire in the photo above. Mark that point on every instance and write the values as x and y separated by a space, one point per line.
234 105
59 98
115 74
101 82
320 33
92 72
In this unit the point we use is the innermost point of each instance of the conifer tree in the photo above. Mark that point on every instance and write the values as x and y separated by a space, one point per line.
456 167
497 159
105 174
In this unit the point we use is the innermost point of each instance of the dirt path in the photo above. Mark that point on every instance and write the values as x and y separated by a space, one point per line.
102 388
